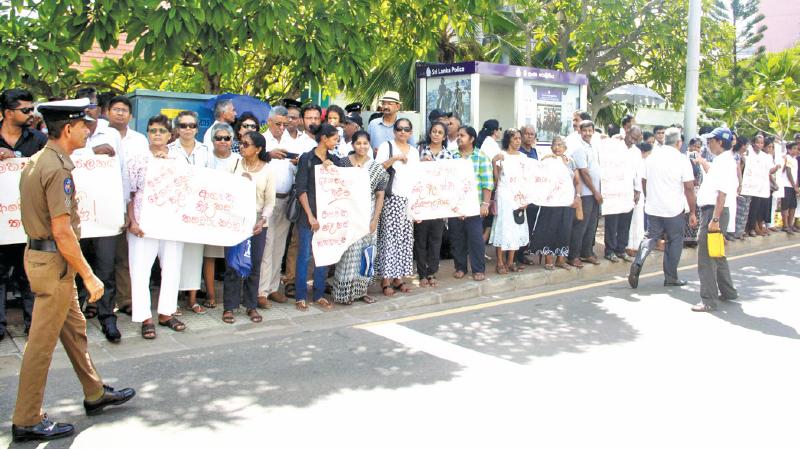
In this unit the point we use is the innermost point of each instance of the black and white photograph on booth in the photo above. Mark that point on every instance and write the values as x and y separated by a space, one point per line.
450 94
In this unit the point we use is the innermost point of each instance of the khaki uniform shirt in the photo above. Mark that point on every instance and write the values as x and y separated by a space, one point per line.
47 190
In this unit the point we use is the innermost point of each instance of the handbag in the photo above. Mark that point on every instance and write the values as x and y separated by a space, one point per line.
293 206
519 216
387 192
237 258
716 245
368 262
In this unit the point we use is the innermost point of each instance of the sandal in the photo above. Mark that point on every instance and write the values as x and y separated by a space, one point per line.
173 324
432 281
501 270
575 263
401 287
255 317
127 309
90 312
148 331
301 305
210 303
263 302
324 304
390 290
480 276
423 282
549 267
290 290
227 316
198 309
459 274
366 299
516 268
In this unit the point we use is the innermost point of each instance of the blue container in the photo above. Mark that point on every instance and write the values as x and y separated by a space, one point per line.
147 103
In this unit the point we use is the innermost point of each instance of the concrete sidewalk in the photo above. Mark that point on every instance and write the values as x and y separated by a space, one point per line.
209 329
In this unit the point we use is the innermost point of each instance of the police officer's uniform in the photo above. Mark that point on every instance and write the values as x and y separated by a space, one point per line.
47 190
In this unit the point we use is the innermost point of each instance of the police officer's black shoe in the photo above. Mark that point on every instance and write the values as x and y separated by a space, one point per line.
2 332
42 431
109 327
110 397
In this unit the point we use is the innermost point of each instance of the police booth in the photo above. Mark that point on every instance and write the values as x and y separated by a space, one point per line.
514 95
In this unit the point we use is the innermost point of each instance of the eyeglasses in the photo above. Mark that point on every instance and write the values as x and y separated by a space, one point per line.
250 126
222 138
26 110
405 129
281 124
187 125
245 144
120 110
158 130
293 117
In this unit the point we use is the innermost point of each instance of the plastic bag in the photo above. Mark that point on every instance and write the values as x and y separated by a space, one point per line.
368 262
238 258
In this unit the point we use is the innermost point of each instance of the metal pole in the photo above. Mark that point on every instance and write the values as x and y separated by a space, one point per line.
692 70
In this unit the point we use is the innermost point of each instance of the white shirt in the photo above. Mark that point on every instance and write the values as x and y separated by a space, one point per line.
574 141
791 165
638 166
665 172
282 169
198 158
721 177
403 176
301 144
452 145
104 134
490 147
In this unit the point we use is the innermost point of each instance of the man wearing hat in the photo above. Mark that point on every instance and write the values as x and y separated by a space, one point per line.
720 183
382 129
52 258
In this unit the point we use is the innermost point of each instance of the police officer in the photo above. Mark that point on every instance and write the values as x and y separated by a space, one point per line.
52 258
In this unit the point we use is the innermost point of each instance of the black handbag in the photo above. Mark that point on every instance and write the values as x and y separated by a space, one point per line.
293 206
388 191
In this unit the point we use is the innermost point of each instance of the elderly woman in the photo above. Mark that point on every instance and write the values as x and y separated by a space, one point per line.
188 150
554 225
246 123
348 283
396 232
253 166
142 250
222 158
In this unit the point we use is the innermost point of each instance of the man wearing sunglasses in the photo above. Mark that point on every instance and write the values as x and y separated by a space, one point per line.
101 252
17 140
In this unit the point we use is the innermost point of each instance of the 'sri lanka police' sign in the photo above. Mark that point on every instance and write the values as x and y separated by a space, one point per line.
425 70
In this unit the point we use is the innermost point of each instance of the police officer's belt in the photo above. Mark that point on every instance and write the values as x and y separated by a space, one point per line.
42 245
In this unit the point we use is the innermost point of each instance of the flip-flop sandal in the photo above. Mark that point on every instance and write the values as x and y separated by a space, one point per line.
227 317
366 299
516 268
148 331
549 267
458 274
501 270
210 303
432 281
255 317
423 282
173 324
301 305
198 309
391 290
324 304
480 276
401 287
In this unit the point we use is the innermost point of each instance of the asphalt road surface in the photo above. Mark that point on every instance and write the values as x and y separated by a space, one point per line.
590 365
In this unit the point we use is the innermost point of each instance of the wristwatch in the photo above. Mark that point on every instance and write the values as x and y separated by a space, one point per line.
715 219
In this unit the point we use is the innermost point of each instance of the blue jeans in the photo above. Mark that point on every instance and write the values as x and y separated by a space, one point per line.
303 258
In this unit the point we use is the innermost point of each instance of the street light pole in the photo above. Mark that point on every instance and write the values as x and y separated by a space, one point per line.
692 70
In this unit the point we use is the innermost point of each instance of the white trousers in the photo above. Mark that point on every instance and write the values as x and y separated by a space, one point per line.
191 267
270 276
142 253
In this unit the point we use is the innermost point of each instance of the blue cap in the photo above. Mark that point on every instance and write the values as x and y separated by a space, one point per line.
723 134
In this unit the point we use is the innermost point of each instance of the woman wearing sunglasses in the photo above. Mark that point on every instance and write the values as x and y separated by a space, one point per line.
222 158
246 123
396 231
142 250
188 150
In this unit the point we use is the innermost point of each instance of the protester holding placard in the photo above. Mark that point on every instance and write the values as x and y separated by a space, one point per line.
350 283
396 232
327 137
757 175
554 225
253 166
466 233
509 229
428 233
187 150
223 159
618 224
142 250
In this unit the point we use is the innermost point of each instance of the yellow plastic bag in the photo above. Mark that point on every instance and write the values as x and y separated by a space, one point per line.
716 245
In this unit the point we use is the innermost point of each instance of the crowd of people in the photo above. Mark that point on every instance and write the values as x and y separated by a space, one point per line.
668 181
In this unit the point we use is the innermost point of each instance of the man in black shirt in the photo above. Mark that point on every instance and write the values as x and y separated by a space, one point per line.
17 140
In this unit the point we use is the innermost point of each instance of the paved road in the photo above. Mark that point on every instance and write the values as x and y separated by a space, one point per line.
594 365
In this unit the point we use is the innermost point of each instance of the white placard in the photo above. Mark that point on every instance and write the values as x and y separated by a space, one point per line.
755 179
616 177
444 189
343 211
550 183
195 204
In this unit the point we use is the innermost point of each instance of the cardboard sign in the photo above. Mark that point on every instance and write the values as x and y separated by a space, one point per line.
195 204
616 177
98 185
755 180
444 189
343 211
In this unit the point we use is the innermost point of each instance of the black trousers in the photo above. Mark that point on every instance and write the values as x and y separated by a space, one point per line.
238 290
101 253
618 229
12 270
427 246
466 240
582 239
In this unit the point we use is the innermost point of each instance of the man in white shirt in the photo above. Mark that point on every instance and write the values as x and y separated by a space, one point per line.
790 187
101 252
667 179
719 183
453 124
224 111
659 134
119 116
581 246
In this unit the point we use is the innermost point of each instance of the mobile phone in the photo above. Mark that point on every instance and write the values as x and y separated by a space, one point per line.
290 155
